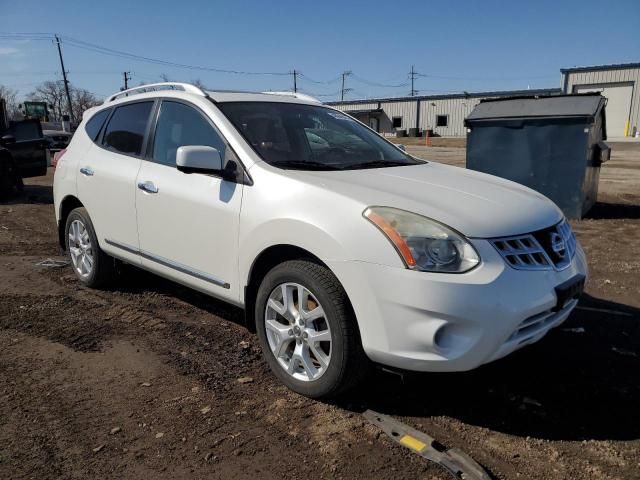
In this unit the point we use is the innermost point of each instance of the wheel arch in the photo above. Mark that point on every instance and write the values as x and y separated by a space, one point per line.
68 203
263 263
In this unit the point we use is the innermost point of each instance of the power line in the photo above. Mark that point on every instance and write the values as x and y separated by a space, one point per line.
297 75
27 36
320 82
376 84
448 77
315 94
131 56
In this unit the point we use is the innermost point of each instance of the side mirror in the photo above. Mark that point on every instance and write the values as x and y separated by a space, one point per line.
7 139
402 147
199 159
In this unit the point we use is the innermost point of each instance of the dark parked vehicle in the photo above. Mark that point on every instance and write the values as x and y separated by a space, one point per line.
7 177
25 152
58 139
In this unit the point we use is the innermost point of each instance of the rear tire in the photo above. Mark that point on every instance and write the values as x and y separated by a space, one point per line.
287 328
92 266
6 175
19 183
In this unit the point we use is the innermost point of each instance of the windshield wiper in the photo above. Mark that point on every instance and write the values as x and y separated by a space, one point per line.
302 165
377 164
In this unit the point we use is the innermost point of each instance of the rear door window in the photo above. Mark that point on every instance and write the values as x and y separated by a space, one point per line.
26 130
94 125
126 128
181 125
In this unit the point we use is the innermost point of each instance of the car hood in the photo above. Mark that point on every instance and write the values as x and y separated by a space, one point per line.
473 203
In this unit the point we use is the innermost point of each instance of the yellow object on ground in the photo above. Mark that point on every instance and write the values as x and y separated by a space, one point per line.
413 443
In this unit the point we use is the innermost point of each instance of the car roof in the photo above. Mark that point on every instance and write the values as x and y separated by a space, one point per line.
182 90
170 89
240 96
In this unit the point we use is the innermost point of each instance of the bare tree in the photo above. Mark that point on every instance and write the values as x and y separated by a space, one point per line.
198 83
54 95
82 100
11 98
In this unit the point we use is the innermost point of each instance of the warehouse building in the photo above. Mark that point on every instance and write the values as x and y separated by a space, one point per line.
620 84
443 115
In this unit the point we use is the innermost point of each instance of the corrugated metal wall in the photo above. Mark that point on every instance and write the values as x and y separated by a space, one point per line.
405 110
597 77
456 108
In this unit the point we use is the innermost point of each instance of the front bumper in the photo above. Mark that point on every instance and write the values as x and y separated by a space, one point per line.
453 322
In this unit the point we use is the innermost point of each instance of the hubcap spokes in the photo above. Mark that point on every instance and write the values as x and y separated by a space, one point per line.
298 332
80 248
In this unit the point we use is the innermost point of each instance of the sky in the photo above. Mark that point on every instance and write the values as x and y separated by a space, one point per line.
456 46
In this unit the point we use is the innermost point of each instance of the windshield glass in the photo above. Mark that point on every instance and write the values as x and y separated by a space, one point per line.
309 137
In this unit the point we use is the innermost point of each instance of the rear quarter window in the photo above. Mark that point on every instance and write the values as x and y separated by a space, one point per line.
94 125
126 128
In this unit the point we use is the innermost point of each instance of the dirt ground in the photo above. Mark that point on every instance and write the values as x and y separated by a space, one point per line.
152 380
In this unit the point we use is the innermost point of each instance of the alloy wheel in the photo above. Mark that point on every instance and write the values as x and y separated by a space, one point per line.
80 248
298 332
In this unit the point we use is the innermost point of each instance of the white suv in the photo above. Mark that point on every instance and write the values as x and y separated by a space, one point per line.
343 250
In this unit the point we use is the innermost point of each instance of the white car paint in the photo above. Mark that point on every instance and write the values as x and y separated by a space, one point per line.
407 319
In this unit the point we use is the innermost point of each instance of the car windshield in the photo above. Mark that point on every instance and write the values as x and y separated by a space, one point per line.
309 137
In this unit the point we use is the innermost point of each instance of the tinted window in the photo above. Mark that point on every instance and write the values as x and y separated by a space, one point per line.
24 131
296 136
125 131
94 125
397 122
180 125
442 120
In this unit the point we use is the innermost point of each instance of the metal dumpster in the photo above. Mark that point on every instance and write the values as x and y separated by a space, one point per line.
554 145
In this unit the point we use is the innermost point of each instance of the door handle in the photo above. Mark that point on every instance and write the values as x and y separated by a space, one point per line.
87 171
148 187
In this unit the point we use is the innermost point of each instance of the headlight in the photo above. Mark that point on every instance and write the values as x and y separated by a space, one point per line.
424 244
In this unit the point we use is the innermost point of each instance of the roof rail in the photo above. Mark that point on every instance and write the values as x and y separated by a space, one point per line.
154 87
301 96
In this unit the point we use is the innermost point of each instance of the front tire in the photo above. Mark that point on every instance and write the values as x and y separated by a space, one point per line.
92 266
307 330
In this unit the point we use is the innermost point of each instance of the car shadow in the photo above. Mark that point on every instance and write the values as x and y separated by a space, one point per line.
30 194
580 382
137 281
613 211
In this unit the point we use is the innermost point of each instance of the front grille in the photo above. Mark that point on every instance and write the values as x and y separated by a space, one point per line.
545 249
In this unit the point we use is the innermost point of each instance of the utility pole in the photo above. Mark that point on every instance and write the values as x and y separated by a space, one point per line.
127 77
412 75
344 90
295 80
66 82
